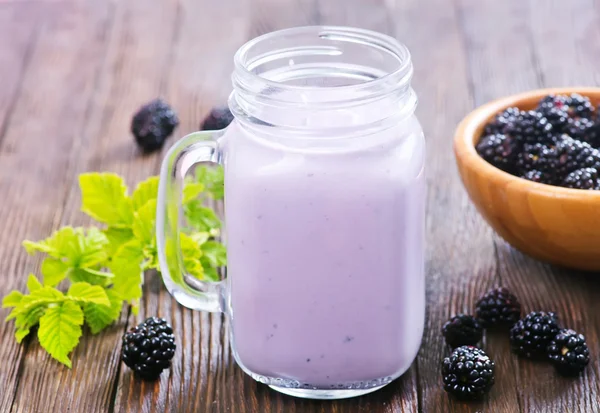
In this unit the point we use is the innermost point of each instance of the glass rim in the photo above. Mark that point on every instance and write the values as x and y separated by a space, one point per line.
399 77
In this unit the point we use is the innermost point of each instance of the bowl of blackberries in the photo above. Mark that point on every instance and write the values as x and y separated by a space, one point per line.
531 165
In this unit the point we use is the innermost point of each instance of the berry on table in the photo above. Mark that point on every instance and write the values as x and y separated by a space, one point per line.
149 347
219 118
569 352
530 336
498 307
499 150
153 124
468 373
585 178
462 330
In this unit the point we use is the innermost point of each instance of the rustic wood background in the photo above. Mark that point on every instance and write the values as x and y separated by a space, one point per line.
73 72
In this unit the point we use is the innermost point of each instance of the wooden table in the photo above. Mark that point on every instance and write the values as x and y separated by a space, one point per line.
73 72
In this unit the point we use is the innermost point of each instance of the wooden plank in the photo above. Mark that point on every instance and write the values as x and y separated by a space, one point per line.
204 376
46 117
570 293
137 49
367 14
195 76
17 40
461 257
566 41
456 53
547 38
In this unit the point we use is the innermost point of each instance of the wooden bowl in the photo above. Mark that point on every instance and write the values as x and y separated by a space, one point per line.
554 224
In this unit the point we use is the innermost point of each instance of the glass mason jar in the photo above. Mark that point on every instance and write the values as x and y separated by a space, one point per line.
324 212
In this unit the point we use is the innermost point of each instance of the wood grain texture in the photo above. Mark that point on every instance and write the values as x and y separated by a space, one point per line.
460 256
35 153
72 75
17 39
540 286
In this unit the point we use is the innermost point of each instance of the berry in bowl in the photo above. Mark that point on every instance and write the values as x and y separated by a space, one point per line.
530 164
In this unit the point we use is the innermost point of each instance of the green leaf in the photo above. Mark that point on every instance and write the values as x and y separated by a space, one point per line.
145 191
213 180
117 237
54 271
215 253
74 246
210 272
33 247
151 257
21 333
200 237
104 198
12 299
86 293
26 321
192 191
91 247
33 284
62 243
60 330
191 256
126 265
144 223
98 317
201 218
90 276
33 306
39 297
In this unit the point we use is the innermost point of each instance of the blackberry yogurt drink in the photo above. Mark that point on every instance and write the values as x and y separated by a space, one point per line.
324 208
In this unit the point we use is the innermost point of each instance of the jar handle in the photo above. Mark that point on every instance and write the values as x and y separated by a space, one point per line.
193 149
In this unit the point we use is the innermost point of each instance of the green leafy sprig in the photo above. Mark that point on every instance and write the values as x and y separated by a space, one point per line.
104 267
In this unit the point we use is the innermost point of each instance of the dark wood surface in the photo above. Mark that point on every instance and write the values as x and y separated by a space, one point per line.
73 72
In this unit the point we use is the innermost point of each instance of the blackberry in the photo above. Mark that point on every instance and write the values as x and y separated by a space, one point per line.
572 154
219 118
462 330
499 150
498 307
530 127
501 121
593 137
569 353
149 347
153 124
575 106
468 373
536 157
558 118
538 176
582 129
530 336
580 107
585 178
